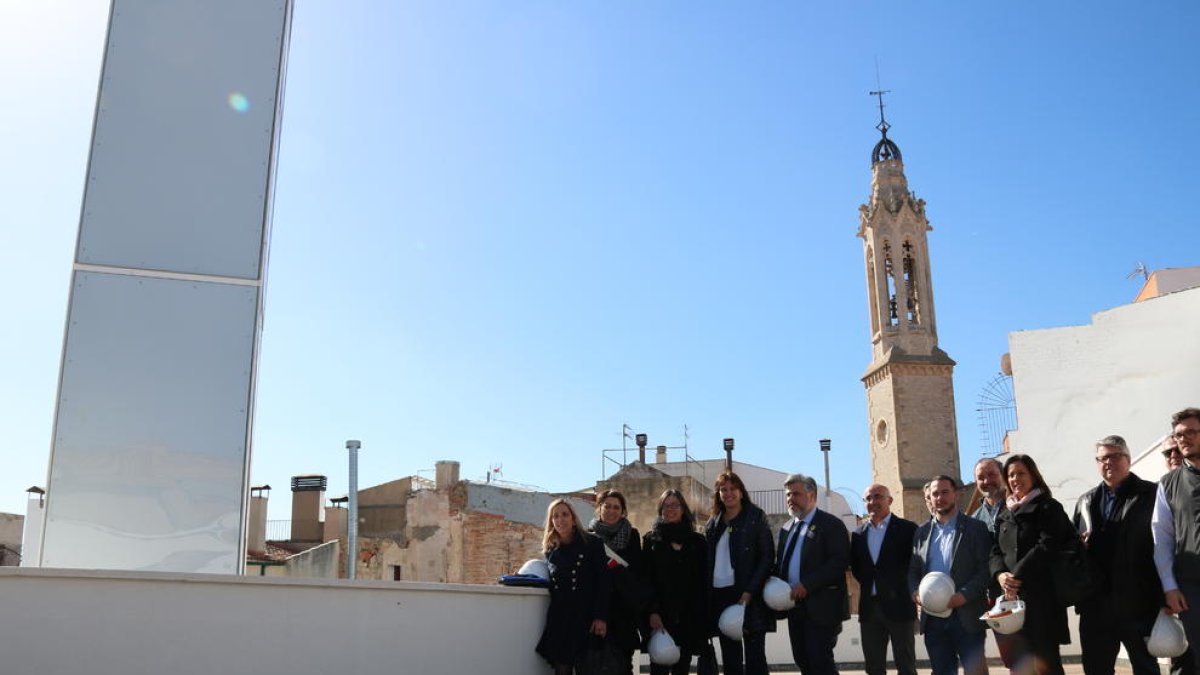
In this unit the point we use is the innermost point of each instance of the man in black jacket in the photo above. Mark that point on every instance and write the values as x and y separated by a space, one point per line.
880 552
1114 519
814 552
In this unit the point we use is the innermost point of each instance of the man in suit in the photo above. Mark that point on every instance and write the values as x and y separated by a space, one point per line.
880 552
1114 519
814 551
960 546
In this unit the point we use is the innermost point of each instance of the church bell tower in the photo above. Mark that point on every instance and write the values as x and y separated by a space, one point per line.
910 390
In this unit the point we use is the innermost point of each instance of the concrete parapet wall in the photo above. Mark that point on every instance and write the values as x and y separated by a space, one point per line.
124 623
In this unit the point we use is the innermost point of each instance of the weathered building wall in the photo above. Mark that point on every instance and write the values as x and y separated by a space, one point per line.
382 509
11 526
642 484
495 546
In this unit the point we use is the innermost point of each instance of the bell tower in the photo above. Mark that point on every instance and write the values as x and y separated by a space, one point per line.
910 389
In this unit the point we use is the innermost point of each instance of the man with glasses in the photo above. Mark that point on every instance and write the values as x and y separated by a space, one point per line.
1183 664
880 552
1114 520
1176 527
1171 453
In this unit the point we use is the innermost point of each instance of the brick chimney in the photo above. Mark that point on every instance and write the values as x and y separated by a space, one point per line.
308 506
446 474
256 532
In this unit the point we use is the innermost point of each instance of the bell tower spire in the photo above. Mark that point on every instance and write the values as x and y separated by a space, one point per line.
909 383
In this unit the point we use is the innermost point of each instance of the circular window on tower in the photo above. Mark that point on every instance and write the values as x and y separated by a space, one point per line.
881 432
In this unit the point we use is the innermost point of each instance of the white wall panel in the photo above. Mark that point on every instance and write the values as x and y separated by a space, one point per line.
150 443
179 170
150 457
1125 374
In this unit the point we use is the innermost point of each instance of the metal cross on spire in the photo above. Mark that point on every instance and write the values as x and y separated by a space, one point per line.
883 125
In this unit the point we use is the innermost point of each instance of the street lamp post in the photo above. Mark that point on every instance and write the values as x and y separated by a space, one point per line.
352 515
825 443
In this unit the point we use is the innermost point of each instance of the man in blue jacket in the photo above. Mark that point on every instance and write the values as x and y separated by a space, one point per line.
960 546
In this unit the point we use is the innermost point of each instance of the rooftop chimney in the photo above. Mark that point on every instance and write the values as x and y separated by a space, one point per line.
446 474
335 518
256 532
660 455
308 505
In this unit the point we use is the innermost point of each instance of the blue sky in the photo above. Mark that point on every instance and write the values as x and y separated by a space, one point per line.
504 229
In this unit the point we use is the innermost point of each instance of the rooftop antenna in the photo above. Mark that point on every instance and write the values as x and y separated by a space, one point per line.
885 149
1140 269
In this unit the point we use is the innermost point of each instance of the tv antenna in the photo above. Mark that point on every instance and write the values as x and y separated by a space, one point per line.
1140 269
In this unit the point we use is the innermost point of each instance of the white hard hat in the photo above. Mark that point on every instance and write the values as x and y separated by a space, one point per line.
537 568
730 621
935 592
1167 638
778 595
663 650
1006 616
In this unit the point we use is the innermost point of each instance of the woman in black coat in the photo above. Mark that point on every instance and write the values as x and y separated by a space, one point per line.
579 590
1031 532
675 565
740 554
627 598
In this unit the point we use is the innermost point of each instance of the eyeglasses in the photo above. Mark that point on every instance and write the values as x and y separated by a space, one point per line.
1105 459
1186 433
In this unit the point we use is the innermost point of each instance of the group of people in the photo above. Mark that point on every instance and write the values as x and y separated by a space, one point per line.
1140 541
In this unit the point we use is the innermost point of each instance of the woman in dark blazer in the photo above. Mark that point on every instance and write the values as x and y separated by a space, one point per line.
579 589
627 598
741 551
1030 533
675 564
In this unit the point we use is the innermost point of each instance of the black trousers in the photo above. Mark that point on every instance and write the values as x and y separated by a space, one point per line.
751 651
812 645
1101 634
877 632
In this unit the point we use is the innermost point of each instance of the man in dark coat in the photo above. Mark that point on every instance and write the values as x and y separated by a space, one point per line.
880 552
958 545
1114 520
814 552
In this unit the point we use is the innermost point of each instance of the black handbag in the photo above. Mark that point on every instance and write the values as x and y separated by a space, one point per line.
600 658
706 664
1074 577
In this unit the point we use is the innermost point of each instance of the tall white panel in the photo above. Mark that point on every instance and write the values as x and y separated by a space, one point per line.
150 456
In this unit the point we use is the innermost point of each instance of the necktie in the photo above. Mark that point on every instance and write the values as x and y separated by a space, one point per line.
793 537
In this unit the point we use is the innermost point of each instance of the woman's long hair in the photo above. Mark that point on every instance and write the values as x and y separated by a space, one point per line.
732 478
1032 468
550 537
687 519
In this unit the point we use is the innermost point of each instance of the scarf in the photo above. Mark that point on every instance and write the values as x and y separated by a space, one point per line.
615 535
1012 502
672 533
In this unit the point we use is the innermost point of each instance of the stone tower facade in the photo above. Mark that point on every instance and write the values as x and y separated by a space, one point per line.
910 390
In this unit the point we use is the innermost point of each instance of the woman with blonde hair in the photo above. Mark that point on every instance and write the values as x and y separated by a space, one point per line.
579 589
